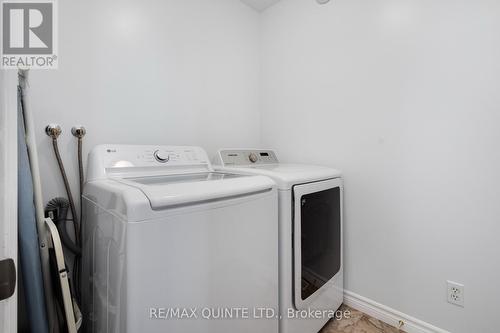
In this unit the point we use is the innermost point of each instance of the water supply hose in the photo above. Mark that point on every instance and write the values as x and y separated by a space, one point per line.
54 132
79 132
80 164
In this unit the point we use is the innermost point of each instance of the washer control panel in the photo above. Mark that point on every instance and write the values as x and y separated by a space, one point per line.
245 157
156 156
105 160
161 156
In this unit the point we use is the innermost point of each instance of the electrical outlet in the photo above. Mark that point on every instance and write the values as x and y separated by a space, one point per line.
455 293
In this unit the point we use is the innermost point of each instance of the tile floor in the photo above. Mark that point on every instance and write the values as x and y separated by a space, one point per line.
358 323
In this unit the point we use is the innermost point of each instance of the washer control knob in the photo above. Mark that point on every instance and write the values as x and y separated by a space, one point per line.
253 158
161 157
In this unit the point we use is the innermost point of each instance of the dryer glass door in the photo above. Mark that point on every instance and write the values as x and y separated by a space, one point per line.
317 238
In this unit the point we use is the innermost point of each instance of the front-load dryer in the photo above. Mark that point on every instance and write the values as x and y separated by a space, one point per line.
170 245
310 235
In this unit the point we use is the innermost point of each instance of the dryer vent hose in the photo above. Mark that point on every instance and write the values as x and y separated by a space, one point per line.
61 206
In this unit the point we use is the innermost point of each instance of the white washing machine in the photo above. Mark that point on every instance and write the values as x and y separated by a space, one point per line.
172 246
310 235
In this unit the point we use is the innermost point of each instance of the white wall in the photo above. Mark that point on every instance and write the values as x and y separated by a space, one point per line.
404 97
149 72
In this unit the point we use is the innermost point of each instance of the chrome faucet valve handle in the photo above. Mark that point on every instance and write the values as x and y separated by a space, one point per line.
78 131
53 130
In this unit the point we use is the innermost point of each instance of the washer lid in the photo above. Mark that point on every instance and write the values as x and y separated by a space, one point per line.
182 178
192 188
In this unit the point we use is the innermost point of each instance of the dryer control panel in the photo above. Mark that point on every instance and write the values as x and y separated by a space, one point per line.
245 157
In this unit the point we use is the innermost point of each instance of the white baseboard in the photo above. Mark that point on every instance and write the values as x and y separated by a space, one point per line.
388 315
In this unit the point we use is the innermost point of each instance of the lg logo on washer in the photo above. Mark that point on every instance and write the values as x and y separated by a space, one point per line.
29 34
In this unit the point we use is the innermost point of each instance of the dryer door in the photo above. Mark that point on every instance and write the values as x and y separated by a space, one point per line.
317 240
